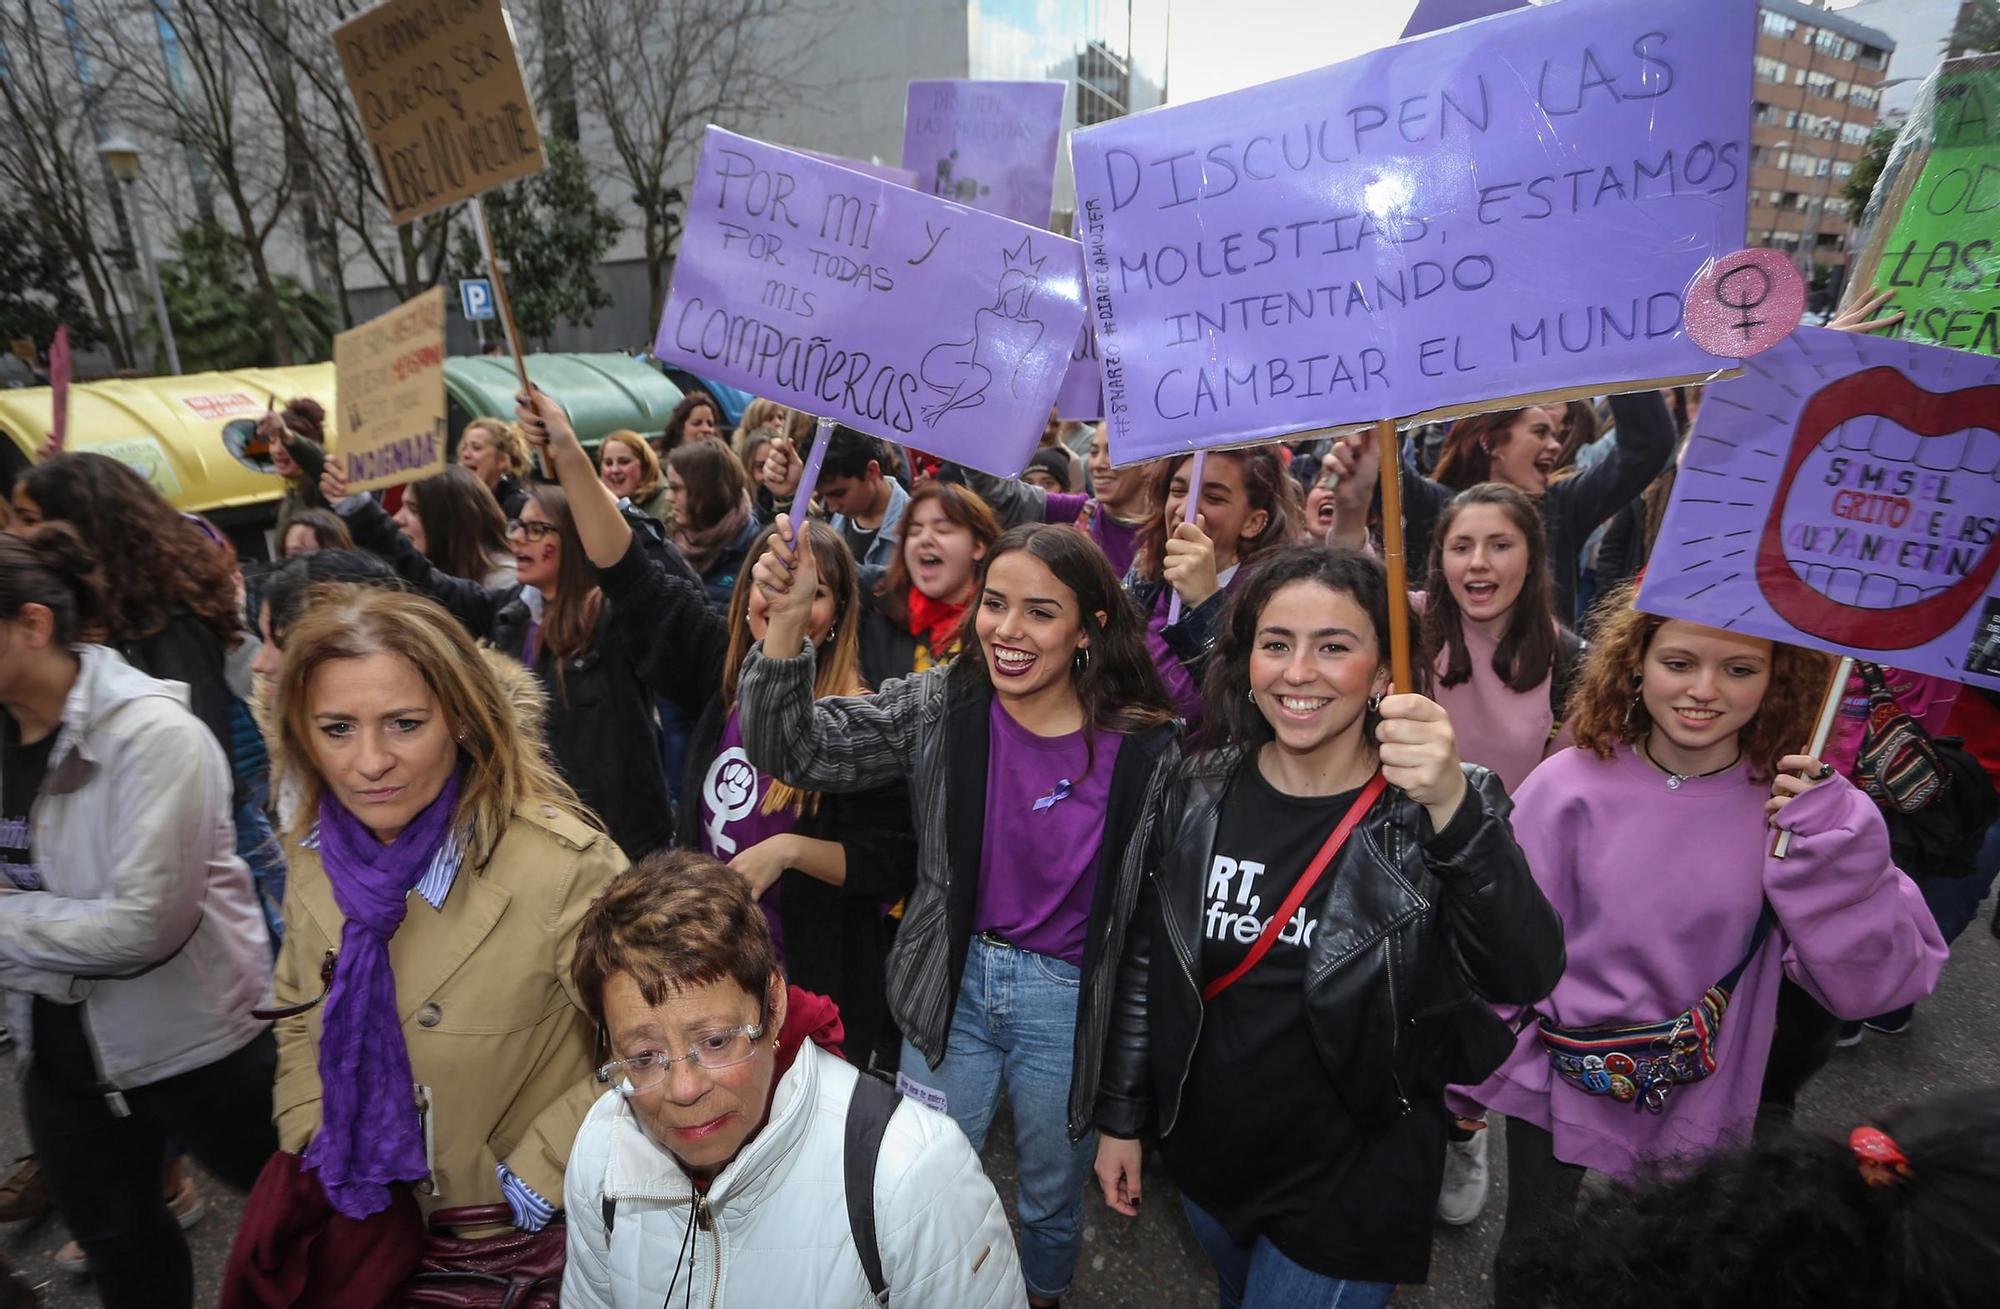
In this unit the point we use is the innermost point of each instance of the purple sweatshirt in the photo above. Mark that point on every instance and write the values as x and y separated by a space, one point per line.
1659 892
1118 539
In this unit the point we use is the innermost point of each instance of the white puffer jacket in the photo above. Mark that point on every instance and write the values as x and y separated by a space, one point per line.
147 916
777 1230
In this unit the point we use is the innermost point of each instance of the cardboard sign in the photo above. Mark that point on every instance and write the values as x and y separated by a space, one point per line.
389 391
848 297
439 91
991 145
1844 494
1942 255
1506 209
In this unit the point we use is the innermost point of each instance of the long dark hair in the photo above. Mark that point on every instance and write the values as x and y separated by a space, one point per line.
1793 1221
1229 716
570 625
49 566
712 483
1118 685
464 531
1467 457
154 561
1527 651
1266 484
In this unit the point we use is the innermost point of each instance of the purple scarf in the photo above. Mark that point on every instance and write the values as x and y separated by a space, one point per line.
369 1135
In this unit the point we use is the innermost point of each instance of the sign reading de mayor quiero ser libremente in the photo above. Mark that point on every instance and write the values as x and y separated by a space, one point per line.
1509 208
388 377
839 294
438 86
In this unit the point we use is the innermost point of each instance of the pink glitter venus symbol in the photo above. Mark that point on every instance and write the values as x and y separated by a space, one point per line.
1744 303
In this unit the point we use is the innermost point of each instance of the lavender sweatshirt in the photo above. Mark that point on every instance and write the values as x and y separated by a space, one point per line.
1659 892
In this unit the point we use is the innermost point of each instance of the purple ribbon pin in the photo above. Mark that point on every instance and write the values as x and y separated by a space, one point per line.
1060 791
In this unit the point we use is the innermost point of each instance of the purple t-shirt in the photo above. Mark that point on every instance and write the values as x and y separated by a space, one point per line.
1119 541
1180 683
733 817
1038 858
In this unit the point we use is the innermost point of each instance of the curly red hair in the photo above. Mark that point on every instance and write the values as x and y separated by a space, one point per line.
1604 709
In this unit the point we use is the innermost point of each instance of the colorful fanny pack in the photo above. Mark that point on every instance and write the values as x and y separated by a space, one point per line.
1639 1064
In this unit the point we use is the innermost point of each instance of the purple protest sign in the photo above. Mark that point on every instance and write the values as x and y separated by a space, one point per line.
1081 396
887 172
1841 494
991 145
848 297
1433 15
1510 208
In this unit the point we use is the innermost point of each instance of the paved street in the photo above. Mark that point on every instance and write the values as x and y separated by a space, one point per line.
1152 1263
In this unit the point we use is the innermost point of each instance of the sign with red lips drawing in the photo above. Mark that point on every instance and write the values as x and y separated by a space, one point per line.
1844 494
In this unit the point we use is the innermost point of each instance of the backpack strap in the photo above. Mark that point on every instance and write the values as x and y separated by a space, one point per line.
868 1113
1569 652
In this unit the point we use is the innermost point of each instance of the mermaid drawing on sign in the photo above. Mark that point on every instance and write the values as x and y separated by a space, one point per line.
958 372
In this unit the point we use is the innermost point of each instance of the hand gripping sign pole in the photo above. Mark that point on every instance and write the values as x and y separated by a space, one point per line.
809 477
1189 508
1829 709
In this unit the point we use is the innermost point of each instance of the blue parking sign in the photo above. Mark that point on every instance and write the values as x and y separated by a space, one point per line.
475 296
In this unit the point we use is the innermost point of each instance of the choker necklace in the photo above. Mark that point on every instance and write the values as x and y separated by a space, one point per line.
1675 779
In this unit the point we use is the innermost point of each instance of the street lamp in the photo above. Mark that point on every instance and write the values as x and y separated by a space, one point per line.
122 158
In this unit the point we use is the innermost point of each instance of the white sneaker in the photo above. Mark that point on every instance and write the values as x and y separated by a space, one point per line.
1465 1179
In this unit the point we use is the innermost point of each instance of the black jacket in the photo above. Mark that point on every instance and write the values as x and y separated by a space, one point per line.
1419 932
602 729
1573 507
835 941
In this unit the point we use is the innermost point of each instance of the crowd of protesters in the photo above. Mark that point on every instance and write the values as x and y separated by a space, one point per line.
573 872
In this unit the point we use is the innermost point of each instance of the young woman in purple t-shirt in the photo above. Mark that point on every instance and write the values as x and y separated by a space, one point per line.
1653 838
1028 758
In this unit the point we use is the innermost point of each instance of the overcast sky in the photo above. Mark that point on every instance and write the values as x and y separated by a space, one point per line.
1222 45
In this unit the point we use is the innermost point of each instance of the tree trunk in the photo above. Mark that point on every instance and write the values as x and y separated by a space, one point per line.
260 270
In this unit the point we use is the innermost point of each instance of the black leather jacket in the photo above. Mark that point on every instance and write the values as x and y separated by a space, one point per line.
1420 931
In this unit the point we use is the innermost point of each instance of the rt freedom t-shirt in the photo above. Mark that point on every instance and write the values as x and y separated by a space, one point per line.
1262 1142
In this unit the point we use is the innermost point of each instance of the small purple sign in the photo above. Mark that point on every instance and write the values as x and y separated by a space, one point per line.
1509 208
1842 494
991 145
1082 394
849 297
1435 15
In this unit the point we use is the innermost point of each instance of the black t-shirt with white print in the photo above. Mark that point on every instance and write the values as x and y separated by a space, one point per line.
1262 1142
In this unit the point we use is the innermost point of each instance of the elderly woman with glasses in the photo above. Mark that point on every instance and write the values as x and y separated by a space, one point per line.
601 723
736 1153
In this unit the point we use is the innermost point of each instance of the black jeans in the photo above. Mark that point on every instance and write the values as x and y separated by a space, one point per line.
1540 1188
103 1171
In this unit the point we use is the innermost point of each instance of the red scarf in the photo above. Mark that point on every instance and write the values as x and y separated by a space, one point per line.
934 621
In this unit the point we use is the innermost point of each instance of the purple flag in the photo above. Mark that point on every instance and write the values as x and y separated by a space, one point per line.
1507 209
1841 494
991 145
1434 15
848 297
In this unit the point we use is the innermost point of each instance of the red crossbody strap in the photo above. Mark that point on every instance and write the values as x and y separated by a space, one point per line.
1300 889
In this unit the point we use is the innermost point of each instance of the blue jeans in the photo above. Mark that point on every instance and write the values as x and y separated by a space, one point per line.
1259 1277
1015 1027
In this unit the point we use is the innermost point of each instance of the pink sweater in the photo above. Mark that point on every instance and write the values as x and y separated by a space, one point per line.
1659 892
1498 727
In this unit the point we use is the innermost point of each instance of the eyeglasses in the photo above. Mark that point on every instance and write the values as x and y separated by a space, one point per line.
535 531
712 1052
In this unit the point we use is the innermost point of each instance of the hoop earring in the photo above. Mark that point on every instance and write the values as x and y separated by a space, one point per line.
1080 661
1631 709
1375 703
1252 693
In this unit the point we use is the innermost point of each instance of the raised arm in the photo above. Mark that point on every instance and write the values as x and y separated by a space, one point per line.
1015 502
602 528
1645 436
374 531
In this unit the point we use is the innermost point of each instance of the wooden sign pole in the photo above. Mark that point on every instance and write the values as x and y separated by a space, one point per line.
500 297
1829 709
1390 477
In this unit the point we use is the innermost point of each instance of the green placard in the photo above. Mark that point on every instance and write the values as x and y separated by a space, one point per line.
1942 258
